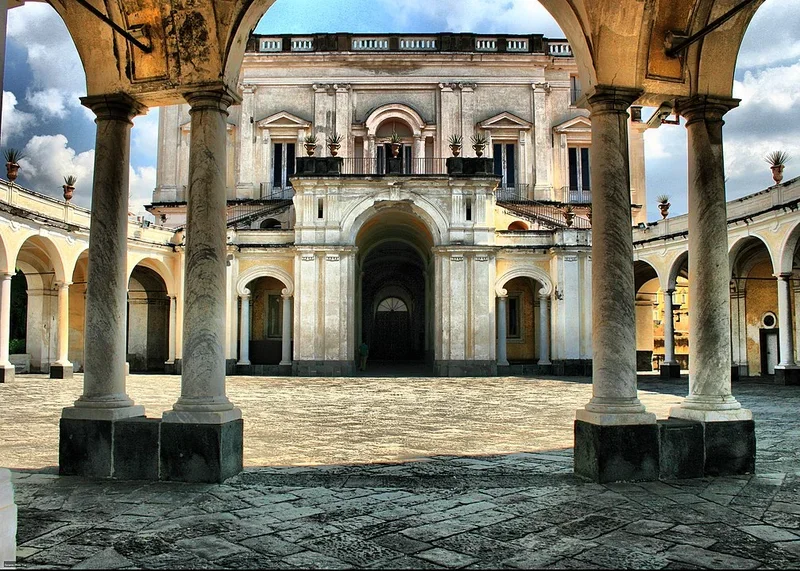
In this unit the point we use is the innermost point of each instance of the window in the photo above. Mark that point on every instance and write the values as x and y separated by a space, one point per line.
513 320
282 164
385 151
574 89
274 316
392 304
505 163
580 183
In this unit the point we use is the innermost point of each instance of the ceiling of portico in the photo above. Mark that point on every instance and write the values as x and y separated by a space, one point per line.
196 43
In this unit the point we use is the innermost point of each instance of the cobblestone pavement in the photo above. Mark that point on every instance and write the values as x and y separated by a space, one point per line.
403 473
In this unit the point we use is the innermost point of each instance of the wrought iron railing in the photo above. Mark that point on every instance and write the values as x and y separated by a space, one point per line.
576 195
518 201
381 166
243 214
516 193
269 192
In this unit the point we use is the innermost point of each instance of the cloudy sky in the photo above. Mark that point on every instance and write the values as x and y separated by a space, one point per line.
44 79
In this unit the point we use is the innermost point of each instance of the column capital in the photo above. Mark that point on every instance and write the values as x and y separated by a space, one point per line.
607 99
245 294
214 97
704 107
62 285
7 276
286 293
785 276
114 107
541 87
502 293
544 295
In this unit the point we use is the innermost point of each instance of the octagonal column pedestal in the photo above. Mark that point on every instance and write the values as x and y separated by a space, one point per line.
786 372
201 437
62 368
728 430
670 369
87 428
615 438
6 368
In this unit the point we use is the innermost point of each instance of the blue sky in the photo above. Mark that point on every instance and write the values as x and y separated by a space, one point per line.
44 79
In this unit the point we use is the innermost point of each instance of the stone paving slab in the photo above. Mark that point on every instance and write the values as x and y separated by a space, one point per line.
514 509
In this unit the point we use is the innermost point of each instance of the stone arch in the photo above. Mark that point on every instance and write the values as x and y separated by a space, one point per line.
675 269
5 266
396 111
788 247
532 272
434 219
643 272
158 267
741 244
50 249
264 272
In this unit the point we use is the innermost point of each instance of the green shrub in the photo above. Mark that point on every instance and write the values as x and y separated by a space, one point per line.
16 346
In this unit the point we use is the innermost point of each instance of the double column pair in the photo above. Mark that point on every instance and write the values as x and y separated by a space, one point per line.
502 328
286 330
615 415
203 412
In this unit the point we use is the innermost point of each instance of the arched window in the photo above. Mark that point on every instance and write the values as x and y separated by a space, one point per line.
392 304
270 223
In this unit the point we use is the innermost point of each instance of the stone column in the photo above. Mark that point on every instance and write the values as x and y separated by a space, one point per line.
370 155
670 369
62 368
787 371
173 323
614 399
6 368
244 330
104 376
615 438
201 438
710 397
544 328
286 332
502 329
419 154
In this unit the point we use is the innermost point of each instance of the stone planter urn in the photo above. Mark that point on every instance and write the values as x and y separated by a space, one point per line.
663 207
455 149
310 149
69 190
395 149
478 150
334 148
777 173
12 170
569 218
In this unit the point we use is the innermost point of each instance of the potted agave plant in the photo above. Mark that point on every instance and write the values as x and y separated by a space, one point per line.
479 143
13 157
569 215
396 143
777 161
455 144
69 186
310 143
334 143
663 205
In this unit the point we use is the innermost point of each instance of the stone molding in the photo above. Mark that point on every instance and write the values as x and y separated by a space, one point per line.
704 107
114 107
606 99
212 98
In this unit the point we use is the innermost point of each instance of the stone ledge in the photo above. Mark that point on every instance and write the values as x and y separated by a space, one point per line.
457 368
208 453
787 375
613 453
671 371
60 371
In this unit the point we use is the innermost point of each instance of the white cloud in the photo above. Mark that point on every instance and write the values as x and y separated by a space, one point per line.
48 159
144 135
767 43
770 87
49 102
142 183
14 121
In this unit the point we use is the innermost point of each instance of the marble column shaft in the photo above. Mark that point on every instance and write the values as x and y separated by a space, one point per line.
286 332
710 395
203 396
63 324
5 317
544 329
107 278
502 328
244 331
173 322
669 329
785 321
614 399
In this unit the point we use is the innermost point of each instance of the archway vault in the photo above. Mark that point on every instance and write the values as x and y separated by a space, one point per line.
193 45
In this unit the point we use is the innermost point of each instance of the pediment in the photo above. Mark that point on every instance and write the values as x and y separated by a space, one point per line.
282 120
578 124
504 120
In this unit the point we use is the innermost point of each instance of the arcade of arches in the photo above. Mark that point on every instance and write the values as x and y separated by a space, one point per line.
194 55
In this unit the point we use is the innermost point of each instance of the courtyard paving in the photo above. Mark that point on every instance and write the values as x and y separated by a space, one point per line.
402 473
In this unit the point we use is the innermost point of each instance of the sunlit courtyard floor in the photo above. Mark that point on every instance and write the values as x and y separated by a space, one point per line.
403 473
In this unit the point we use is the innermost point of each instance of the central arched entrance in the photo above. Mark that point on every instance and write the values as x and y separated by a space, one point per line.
393 292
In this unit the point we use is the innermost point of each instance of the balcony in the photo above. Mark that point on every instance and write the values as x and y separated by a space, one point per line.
576 195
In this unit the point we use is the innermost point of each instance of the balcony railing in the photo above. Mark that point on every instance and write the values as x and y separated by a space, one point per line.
576 195
374 166
270 192
517 199
516 193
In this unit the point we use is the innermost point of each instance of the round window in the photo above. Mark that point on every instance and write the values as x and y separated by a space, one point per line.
769 320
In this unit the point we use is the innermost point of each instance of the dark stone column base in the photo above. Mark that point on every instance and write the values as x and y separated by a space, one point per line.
788 376
172 368
209 453
230 366
244 369
61 371
616 453
730 448
572 367
135 445
84 448
455 368
7 374
323 368
682 454
670 371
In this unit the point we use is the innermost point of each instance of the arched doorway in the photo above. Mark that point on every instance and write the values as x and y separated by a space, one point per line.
148 321
265 314
394 289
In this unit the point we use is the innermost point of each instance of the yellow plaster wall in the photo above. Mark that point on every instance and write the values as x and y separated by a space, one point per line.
761 295
523 348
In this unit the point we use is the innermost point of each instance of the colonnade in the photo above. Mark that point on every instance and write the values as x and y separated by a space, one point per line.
502 329
245 327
